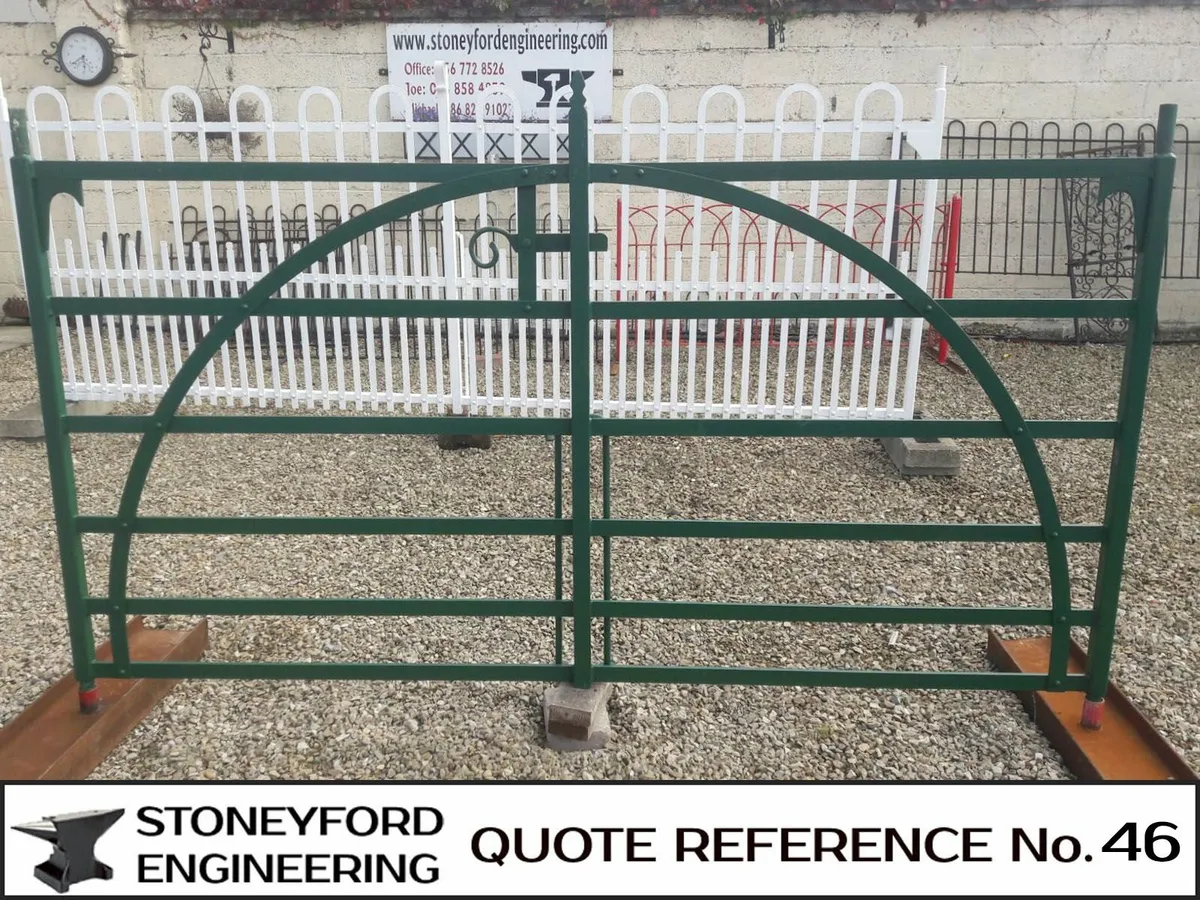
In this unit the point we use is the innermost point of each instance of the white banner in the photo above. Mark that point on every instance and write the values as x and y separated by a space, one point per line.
493 65
614 839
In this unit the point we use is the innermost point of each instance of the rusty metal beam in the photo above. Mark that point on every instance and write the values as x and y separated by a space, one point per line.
53 740
1125 748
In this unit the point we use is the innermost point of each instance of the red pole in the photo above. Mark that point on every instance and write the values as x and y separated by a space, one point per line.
952 235
620 276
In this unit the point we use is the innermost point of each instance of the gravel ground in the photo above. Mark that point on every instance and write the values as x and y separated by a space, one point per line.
365 730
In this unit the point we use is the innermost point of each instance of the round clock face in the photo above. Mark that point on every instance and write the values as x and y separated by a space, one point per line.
85 56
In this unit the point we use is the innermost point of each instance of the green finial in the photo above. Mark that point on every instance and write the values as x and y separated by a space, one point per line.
1164 135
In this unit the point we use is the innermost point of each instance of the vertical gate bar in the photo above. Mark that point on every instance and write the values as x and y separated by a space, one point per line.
526 253
581 400
558 548
450 279
54 412
1060 602
1139 343
606 467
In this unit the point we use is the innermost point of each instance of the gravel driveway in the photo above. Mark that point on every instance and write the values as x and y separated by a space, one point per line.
371 730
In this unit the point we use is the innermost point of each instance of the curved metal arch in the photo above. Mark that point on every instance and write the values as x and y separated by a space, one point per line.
498 178
923 306
918 301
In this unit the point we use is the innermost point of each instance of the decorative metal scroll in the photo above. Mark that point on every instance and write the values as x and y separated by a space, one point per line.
1100 243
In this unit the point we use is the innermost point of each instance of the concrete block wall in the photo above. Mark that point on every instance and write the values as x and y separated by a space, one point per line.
1095 64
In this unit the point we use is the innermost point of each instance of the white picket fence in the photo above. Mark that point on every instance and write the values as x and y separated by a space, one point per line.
130 240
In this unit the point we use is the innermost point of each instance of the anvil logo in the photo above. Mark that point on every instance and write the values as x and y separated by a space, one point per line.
550 80
74 837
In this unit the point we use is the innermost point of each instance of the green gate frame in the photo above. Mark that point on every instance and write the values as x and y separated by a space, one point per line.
1148 181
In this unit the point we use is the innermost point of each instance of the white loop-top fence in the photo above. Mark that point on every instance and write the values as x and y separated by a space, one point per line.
208 239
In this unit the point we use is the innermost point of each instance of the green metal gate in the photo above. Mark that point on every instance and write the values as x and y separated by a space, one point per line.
1146 180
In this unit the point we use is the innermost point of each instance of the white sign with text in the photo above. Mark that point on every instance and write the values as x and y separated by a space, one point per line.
492 65
615 839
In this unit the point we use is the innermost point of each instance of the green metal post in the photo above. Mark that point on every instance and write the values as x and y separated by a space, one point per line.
1130 408
581 386
526 253
606 487
54 412
558 548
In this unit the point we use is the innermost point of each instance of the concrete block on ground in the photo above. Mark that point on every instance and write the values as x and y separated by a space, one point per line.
929 457
464 441
577 719
26 423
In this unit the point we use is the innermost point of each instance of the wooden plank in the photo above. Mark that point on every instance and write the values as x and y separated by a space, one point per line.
1126 747
53 740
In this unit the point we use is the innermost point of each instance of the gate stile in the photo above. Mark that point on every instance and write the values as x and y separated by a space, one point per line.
1147 180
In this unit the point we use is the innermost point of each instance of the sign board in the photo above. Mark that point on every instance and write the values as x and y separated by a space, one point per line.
495 839
532 60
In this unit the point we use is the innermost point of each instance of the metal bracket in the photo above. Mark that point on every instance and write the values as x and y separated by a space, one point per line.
926 141
207 33
51 56
776 34
541 242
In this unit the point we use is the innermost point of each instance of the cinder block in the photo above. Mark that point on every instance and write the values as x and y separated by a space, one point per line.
464 441
933 457
26 423
577 719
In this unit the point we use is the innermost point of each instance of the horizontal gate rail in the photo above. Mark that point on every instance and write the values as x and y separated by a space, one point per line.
626 309
441 173
920 428
1004 532
61 175
343 671
339 606
801 612
243 424
319 525
1146 180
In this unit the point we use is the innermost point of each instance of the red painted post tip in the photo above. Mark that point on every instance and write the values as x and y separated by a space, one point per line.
89 700
1093 714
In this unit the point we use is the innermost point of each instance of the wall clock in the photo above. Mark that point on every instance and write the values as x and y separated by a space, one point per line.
84 54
